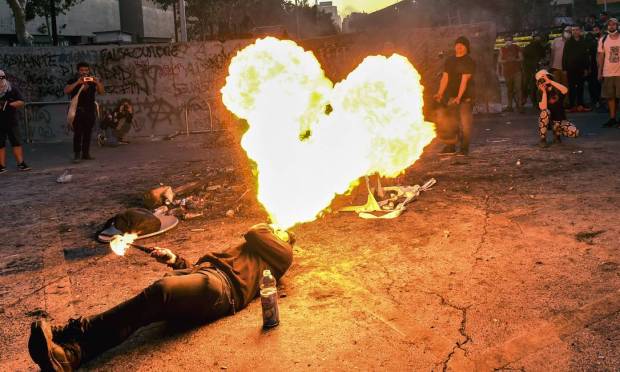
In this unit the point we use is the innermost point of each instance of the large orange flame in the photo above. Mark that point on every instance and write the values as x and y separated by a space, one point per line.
312 140
120 243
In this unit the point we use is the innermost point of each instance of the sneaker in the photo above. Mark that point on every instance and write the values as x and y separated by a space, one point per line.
23 166
543 143
610 123
49 355
2 169
448 150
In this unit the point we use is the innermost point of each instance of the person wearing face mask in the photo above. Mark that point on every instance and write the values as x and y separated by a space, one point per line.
11 100
557 53
608 59
87 86
510 58
575 63
456 99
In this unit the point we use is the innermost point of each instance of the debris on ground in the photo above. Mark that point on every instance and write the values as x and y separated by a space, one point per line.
588 236
65 177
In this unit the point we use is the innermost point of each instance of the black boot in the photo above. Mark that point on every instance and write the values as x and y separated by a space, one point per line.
49 354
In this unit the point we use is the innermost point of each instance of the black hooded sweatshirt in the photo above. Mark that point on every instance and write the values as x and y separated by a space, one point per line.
244 263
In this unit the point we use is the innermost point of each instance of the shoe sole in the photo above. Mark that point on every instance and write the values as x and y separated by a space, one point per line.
40 349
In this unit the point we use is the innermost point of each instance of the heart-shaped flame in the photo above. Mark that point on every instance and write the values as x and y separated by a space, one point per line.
312 140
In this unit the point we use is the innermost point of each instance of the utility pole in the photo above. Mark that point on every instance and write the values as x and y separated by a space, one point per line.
52 10
297 19
182 21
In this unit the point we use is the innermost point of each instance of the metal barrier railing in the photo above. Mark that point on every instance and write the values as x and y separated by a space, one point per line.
29 130
28 115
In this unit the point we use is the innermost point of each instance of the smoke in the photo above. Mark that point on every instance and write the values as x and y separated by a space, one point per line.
346 7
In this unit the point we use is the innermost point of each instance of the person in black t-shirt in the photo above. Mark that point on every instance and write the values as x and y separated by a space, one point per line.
11 100
456 99
86 112
552 115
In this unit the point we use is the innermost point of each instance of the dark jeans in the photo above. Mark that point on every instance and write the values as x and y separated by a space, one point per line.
10 131
454 123
529 87
82 129
576 81
594 88
189 296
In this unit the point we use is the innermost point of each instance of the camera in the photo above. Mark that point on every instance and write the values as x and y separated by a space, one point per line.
89 79
541 81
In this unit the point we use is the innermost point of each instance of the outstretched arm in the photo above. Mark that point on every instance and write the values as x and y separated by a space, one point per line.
166 256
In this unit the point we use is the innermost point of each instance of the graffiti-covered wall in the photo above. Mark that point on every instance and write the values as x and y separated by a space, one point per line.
166 82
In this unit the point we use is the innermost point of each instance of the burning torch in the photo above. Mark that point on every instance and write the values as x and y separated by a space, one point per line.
120 244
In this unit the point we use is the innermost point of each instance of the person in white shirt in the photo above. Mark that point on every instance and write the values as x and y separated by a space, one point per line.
608 58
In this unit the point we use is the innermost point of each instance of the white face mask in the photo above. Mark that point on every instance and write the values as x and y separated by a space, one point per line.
567 35
613 32
508 42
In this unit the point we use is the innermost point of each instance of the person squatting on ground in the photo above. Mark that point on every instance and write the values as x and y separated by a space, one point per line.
117 123
510 59
456 99
219 284
552 114
87 86
575 61
11 100
608 59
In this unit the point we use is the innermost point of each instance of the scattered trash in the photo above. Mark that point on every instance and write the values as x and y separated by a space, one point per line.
531 196
498 140
510 188
509 122
190 215
487 129
198 230
518 162
588 236
158 196
578 152
230 213
65 177
214 188
446 234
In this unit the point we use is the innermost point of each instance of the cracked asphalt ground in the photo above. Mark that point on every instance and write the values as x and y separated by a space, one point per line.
499 267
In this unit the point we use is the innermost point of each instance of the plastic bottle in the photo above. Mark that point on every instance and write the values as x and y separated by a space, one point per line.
269 300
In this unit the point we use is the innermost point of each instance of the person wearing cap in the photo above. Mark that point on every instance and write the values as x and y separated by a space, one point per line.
219 284
575 62
557 54
552 115
11 100
456 99
608 58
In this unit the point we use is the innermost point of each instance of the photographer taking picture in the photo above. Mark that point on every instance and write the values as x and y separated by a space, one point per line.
85 86
552 114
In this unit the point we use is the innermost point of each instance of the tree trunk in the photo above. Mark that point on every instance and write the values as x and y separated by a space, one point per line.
19 14
52 12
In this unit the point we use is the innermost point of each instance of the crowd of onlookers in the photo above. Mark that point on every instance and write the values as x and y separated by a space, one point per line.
571 57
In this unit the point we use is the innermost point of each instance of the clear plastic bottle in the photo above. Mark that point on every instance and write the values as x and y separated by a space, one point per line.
269 300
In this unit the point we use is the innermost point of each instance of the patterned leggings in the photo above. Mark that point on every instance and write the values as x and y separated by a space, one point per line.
560 128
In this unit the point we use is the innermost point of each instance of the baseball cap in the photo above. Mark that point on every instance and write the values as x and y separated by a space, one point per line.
614 20
541 74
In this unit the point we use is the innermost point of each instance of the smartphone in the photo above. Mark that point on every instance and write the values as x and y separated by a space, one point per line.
89 79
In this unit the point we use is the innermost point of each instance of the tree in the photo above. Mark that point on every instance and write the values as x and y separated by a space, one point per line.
49 9
18 7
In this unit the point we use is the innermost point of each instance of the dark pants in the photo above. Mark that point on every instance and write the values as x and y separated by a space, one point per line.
82 129
529 87
594 87
454 123
189 295
576 81
10 132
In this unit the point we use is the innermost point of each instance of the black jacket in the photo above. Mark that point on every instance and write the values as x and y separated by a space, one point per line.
575 56
244 263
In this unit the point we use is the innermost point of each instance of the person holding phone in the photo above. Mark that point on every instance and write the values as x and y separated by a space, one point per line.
552 114
87 86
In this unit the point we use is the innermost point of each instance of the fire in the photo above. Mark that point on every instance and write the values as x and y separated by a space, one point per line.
120 243
312 140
